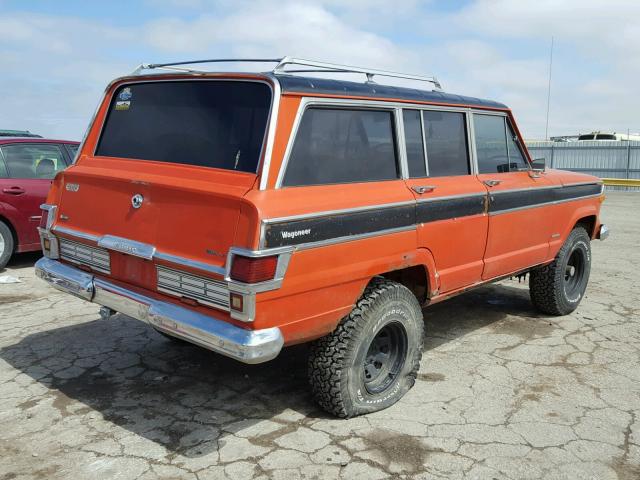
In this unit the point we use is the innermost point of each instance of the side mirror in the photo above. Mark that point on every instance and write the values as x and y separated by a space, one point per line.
538 164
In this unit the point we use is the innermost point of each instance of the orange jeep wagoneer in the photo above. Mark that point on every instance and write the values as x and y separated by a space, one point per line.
245 212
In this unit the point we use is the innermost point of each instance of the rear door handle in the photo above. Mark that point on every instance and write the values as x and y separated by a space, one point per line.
423 189
492 183
13 190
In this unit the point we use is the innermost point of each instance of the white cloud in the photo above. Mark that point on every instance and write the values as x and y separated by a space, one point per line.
55 68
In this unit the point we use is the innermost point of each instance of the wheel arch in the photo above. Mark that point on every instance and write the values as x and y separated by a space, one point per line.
13 231
419 276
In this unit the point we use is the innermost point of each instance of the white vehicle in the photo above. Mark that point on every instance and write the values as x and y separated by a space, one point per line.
609 136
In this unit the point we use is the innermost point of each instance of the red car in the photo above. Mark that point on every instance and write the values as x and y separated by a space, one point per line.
27 166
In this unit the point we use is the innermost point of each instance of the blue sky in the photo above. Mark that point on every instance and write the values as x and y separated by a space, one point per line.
58 56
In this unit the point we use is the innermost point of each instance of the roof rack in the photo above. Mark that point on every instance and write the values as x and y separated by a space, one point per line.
282 63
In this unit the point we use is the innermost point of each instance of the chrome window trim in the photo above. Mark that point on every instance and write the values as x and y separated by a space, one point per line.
471 141
128 81
307 102
401 145
424 144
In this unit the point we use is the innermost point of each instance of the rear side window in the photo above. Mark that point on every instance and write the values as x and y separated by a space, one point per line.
414 143
605 136
32 160
219 124
446 137
342 146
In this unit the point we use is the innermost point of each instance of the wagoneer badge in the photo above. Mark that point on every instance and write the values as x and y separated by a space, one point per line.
136 200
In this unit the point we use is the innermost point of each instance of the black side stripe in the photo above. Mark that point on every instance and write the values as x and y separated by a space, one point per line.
309 230
448 208
345 225
501 201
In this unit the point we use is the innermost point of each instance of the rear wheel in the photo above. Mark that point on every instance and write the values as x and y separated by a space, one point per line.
558 288
6 244
371 359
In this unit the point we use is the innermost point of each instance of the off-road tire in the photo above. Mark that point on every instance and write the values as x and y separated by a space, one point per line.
337 361
549 290
8 244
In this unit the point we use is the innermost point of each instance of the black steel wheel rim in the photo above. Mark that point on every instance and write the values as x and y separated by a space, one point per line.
574 272
385 357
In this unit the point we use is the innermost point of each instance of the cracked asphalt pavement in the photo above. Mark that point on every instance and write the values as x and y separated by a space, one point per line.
503 392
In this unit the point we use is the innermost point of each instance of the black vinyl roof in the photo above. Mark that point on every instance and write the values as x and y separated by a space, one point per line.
291 83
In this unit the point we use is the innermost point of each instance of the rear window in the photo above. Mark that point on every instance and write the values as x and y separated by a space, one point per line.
218 124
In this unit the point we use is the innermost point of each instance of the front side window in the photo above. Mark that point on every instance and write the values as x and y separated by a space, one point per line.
335 145
491 143
446 139
218 124
32 160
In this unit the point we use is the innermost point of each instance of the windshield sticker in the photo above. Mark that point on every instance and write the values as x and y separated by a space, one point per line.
123 102
125 94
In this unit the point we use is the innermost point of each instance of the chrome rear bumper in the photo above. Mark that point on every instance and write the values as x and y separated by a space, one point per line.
247 346
603 233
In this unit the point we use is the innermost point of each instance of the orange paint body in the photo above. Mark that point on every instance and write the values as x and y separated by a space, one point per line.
198 213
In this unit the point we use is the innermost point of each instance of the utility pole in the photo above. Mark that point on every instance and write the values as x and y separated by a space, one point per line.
546 128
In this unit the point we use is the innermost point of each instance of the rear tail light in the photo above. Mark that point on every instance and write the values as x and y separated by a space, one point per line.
253 270
47 217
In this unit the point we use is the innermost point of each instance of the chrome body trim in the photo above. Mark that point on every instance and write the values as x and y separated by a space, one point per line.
130 247
76 233
544 204
451 197
325 213
187 262
65 278
207 291
604 232
54 244
352 238
82 254
284 255
51 214
248 346
157 255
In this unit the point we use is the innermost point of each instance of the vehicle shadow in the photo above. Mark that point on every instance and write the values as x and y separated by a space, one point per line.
185 398
22 260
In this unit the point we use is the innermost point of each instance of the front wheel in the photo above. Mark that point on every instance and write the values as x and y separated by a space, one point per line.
558 288
372 358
